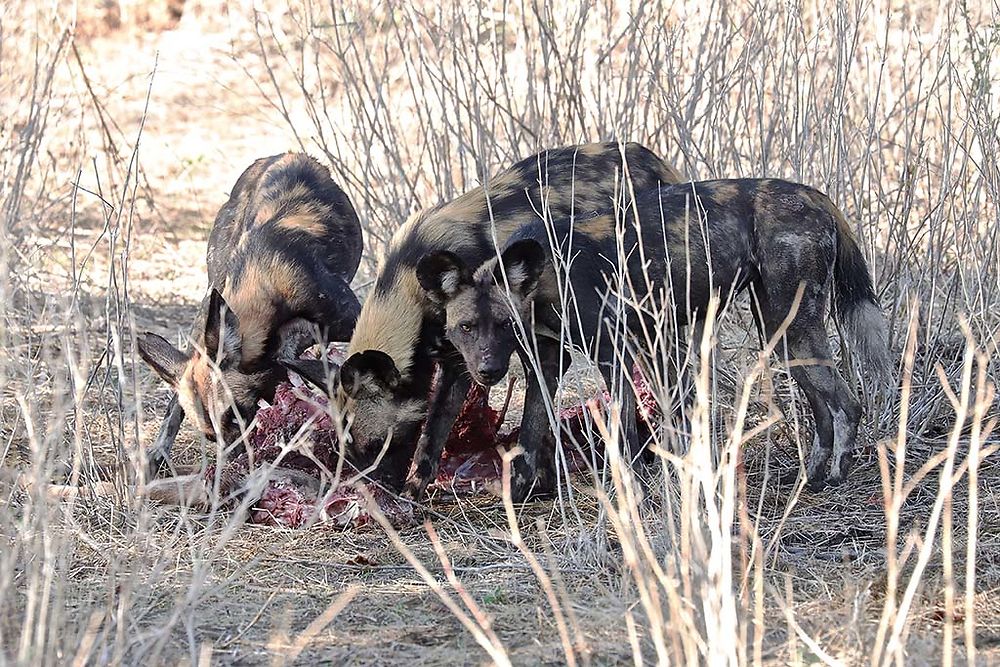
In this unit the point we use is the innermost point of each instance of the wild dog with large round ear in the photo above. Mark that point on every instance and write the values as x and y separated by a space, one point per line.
282 252
520 269
441 275
480 323
785 242
402 322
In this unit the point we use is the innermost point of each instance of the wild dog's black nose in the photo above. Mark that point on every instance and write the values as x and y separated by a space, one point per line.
490 371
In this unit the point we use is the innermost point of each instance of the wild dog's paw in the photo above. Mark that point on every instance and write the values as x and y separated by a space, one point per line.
817 483
530 483
157 461
839 470
414 488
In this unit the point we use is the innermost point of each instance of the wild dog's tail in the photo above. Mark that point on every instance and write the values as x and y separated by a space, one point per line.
857 308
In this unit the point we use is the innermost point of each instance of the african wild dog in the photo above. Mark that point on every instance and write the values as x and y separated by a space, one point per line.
691 241
386 379
281 257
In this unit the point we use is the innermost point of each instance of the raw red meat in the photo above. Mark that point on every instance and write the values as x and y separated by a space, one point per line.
291 496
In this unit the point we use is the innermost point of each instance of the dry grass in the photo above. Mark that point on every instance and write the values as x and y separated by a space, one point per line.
119 138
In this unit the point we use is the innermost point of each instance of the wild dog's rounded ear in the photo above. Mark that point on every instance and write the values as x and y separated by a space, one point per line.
523 262
165 359
314 371
221 324
368 372
441 274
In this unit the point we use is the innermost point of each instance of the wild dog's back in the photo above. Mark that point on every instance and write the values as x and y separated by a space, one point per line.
559 183
286 202
702 238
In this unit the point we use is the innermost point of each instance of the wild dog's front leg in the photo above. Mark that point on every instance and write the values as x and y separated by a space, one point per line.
533 472
453 387
622 390
629 406
189 490
295 337
158 456
328 310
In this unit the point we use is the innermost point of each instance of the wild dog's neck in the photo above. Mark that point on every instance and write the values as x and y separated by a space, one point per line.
391 322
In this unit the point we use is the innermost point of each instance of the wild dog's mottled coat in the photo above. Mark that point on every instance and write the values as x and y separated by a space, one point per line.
386 379
281 256
692 241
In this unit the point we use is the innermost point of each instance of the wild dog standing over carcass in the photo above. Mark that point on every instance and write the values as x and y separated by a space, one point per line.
281 257
398 341
691 241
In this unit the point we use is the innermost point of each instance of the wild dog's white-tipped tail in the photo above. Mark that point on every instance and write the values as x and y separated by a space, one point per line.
868 334
857 307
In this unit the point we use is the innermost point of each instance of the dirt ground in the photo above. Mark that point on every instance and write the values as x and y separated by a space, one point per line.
194 588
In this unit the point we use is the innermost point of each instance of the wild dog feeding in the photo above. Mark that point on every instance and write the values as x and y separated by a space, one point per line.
685 244
281 257
291 473
398 342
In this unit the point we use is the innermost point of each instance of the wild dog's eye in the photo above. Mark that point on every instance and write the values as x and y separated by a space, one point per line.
465 327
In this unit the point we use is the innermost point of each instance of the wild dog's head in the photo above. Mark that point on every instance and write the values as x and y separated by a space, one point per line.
480 311
381 406
211 386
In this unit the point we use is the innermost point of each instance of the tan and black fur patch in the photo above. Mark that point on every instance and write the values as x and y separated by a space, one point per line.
576 180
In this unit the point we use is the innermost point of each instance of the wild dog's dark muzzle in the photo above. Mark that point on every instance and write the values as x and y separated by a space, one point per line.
490 370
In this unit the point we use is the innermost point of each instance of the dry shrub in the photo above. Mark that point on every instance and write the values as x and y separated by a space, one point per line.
892 110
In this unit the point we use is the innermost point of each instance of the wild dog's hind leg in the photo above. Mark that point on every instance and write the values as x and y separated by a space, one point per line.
846 411
835 409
